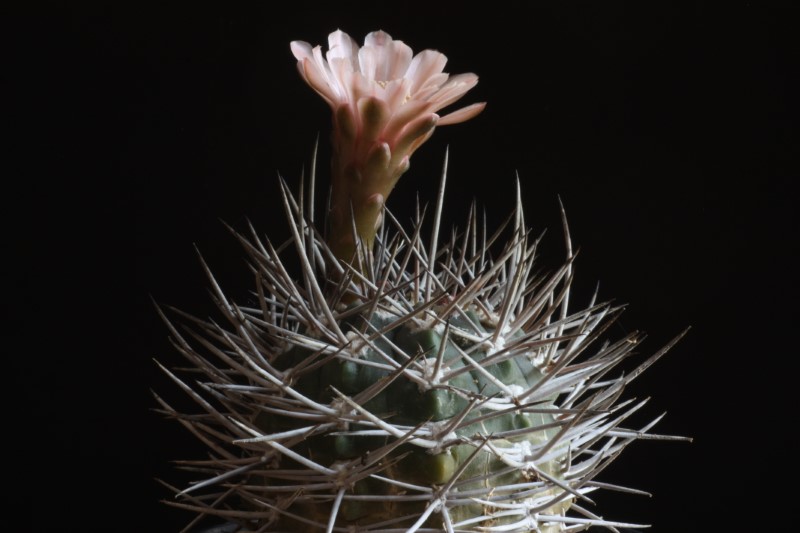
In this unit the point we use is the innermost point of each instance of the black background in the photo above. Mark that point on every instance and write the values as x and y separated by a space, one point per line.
670 133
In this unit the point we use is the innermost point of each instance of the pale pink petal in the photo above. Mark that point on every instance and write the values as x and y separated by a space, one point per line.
424 65
317 81
359 86
342 72
301 50
459 82
368 61
377 38
462 115
420 140
426 94
385 59
325 70
342 46
302 70
385 53
454 89
396 92
401 55
414 133
433 84
346 80
403 116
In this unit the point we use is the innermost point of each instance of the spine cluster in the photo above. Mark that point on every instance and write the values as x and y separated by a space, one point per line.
509 403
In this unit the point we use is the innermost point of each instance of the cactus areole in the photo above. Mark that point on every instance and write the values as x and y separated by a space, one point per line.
434 387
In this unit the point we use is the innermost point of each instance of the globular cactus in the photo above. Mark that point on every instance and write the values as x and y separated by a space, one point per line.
400 385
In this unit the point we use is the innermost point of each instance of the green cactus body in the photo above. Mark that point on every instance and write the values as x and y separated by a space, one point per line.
454 457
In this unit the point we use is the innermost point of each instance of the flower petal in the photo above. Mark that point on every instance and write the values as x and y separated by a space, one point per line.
324 68
401 55
414 134
404 115
301 50
359 86
454 89
462 115
342 71
317 81
377 38
433 84
368 57
391 58
424 65
341 45
396 92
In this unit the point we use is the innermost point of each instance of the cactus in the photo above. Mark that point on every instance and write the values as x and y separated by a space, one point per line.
400 384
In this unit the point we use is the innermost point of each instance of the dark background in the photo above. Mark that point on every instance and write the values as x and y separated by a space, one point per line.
670 133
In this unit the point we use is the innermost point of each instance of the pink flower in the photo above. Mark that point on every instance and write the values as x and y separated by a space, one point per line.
385 105
410 88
